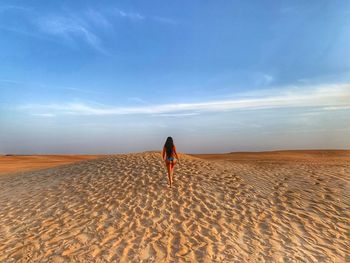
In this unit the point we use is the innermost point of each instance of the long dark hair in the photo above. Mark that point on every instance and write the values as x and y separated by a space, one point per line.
169 145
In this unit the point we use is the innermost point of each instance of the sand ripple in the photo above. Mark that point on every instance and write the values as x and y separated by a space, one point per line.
119 208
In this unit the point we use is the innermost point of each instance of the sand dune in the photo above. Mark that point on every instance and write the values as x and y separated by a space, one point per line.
118 208
306 156
20 163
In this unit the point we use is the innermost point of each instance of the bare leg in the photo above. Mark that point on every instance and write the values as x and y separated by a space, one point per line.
172 171
168 166
171 176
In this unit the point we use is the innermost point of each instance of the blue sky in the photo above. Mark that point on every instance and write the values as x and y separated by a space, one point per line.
121 76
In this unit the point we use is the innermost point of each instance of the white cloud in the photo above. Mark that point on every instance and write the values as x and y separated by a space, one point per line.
322 96
347 107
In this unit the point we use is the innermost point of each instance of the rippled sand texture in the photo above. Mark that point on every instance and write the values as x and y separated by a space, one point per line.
118 208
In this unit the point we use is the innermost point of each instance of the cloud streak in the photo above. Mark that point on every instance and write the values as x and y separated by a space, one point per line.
46 115
73 27
132 16
70 29
6 8
140 17
98 18
326 97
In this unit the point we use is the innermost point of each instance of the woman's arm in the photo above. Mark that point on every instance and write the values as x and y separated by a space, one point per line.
163 153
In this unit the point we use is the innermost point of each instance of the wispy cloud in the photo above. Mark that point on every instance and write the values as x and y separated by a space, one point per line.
69 29
346 107
140 17
45 115
6 8
98 18
84 91
321 96
138 100
129 15
177 114
73 27
24 17
263 79
10 81
25 32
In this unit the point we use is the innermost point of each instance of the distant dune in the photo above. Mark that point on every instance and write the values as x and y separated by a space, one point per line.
323 156
240 207
12 163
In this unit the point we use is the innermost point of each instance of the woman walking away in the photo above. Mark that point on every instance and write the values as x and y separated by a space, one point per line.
169 154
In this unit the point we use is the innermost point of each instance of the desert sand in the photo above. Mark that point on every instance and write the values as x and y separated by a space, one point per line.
277 207
20 163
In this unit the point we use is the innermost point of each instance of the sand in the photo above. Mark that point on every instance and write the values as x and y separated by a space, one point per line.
293 156
119 209
20 163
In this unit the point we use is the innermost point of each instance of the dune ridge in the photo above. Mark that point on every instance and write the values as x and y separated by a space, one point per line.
12 163
119 208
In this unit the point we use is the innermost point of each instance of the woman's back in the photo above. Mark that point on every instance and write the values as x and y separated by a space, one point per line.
170 152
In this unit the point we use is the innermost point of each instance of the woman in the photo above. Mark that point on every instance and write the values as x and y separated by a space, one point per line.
169 153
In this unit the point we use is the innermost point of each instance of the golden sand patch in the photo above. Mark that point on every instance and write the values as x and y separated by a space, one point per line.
119 208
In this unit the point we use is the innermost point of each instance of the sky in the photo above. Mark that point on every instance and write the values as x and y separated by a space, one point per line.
218 76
